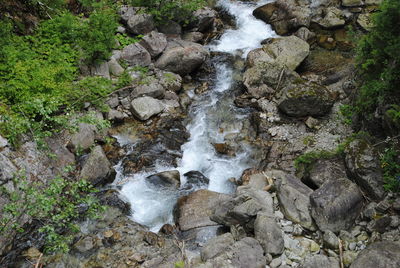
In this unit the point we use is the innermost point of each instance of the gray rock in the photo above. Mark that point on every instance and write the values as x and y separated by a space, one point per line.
215 246
363 164
336 204
3 142
379 254
283 51
170 81
330 240
352 3
247 253
268 233
243 208
101 69
152 88
126 12
145 107
140 23
135 54
154 43
294 198
182 57
113 101
170 28
194 210
275 263
365 21
7 169
83 138
84 244
203 19
195 37
305 34
319 261
169 179
323 170
332 19
114 67
373 2
97 168
305 99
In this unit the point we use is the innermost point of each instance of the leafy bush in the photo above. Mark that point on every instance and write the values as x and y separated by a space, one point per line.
56 205
176 10
379 61
390 163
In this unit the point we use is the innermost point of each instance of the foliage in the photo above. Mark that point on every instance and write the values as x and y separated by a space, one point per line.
379 61
176 10
346 111
57 205
124 80
125 40
305 161
37 72
390 163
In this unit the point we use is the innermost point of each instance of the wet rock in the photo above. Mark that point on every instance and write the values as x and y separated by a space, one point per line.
242 209
283 51
112 198
154 43
223 148
319 261
182 57
268 233
97 168
284 16
194 210
145 107
169 179
305 99
336 204
114 67
363 165
140 23
195 179
379 254
216 246
136 54
326 41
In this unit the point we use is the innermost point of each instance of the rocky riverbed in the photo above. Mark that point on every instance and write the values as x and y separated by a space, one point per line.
201 165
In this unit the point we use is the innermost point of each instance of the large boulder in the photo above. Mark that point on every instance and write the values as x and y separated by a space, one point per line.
182 57
154 43
97 168
285 16
304 98
203 19
283 51
216 246
145 107
294 198
242 209
363 164
152 88
136 54
7 169
194 211
336 204
83 138
268 233
140 23
323 170
352 3
333 18
379 254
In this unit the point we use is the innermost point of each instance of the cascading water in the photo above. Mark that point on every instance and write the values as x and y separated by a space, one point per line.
213 118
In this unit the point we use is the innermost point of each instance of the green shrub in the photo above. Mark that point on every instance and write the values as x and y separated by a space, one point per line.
390 163
176 10
379 61
56 205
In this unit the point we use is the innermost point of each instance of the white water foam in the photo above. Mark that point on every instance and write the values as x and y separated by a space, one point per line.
210 113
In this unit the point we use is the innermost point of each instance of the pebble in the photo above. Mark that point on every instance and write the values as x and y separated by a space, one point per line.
288 229
352 246
275 263
395 222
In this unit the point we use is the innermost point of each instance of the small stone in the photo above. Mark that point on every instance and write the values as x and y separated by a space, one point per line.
349 257
84 245
352 246
108 234
275 263
396 205
314 247
313 123
363 236
383 206
330 240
